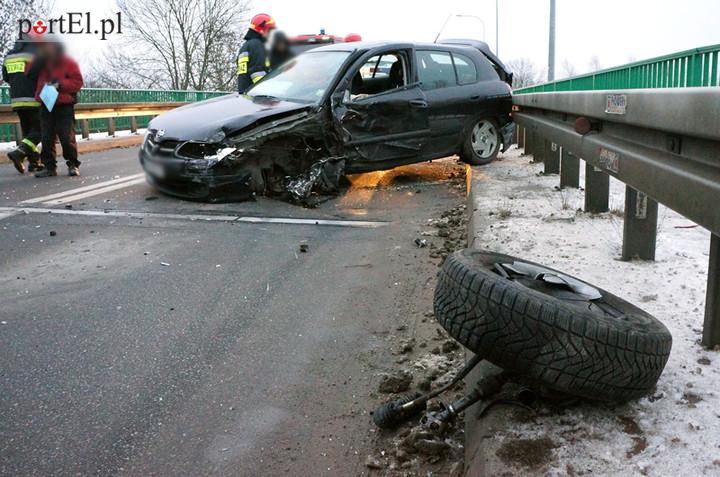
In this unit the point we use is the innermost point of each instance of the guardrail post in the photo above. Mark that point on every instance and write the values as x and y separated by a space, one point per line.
552 158
111 126
539 148
711 329
133 125
521 137
529 142
85 128
569 169
597 190
640 226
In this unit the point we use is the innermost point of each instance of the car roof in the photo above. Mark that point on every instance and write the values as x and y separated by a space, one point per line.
368 45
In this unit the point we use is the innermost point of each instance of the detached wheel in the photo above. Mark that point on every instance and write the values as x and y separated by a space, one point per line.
482 144
531 319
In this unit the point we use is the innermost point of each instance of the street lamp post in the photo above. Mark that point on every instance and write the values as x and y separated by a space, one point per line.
497 29
551 46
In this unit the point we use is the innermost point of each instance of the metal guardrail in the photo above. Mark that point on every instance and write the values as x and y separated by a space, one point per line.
107 95
109 112
664 144
126 97
692 68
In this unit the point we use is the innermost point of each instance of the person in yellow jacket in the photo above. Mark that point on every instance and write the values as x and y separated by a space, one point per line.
253 63
22 100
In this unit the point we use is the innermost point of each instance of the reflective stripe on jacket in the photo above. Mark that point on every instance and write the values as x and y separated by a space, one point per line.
14 71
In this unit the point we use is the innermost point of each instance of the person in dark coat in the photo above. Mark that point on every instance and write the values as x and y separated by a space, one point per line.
22 100
253 62
280 50
55 69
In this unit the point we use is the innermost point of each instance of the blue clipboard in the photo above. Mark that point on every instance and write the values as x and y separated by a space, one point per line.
49 95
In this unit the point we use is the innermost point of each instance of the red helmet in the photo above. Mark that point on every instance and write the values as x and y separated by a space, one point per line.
262 23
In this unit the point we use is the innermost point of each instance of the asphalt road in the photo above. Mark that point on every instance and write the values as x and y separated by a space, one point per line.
197 339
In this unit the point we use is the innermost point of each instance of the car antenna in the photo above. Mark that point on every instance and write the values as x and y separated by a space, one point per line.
460 16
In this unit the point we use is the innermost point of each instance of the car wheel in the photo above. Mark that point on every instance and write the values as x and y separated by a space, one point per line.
565 333
482 144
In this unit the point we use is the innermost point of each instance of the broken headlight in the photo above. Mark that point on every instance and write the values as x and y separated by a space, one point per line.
213 153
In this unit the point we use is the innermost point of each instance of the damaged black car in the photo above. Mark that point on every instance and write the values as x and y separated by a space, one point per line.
342 108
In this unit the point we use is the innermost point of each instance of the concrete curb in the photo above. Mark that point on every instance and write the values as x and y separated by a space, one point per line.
479 461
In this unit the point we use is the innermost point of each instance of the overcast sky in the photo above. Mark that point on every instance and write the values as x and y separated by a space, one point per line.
616 31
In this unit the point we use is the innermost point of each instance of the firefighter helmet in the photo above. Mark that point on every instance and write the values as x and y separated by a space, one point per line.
262 23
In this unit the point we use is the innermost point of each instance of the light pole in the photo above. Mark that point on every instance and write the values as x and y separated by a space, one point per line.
497 29
551 46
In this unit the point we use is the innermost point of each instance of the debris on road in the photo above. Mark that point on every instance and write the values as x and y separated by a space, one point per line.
421 243
304 247
164 264
373 463
53 233
395 382
452 229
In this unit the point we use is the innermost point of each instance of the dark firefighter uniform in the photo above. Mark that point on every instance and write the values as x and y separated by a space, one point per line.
253 62
22 99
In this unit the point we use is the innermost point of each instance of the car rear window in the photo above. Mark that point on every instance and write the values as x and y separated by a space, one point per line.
440 69
435 69
465 68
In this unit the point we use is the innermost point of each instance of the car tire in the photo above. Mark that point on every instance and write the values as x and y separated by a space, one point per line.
482 143
606 349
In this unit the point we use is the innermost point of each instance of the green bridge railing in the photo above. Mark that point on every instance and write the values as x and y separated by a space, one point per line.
106 95
697 67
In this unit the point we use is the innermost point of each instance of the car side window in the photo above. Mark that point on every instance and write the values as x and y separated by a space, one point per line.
465 69
435 69
380 73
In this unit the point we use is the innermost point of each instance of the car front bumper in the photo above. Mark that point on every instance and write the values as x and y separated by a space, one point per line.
194 179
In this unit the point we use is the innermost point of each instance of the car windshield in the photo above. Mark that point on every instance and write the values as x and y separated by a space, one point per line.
303 79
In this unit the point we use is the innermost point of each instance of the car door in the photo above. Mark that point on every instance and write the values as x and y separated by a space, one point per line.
448 101
387 126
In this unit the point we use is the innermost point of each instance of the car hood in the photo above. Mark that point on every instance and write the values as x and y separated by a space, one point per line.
202 121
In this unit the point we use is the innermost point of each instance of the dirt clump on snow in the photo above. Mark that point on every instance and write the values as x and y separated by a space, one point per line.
531 453
451 230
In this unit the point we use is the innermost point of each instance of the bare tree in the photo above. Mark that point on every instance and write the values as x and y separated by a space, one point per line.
524 72
175 44
567 69
594 64
12 12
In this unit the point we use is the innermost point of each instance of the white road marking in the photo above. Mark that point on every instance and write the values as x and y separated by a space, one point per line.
79 190
194 217
5 215
90 193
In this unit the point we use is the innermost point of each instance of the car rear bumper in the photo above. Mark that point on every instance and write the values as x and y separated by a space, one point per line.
507 132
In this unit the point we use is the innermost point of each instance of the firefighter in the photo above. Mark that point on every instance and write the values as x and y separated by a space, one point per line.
253 62
22 99
55 69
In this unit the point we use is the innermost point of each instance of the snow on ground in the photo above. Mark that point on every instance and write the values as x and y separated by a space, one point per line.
676 430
